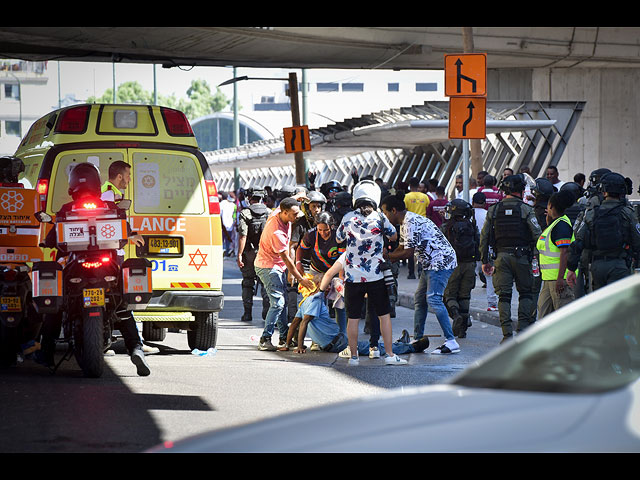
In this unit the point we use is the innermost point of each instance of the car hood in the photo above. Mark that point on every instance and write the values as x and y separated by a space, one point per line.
443 418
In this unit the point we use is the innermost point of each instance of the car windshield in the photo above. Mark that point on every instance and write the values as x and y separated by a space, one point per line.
589 346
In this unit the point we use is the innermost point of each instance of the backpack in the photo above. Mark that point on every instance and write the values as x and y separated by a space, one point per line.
256 225
463 237
607 229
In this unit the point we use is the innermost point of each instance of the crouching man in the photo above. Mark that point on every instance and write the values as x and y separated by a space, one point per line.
313 318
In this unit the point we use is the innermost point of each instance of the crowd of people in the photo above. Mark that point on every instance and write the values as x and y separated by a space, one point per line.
327 258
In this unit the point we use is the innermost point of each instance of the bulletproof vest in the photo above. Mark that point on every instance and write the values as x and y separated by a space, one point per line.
606 232
510 229
461 233
259 215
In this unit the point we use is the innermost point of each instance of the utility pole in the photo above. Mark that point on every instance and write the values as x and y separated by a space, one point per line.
475 145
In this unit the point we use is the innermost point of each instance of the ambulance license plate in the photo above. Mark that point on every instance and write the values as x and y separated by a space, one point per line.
93 297
165 245
10 304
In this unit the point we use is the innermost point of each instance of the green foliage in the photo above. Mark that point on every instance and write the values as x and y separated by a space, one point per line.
200 102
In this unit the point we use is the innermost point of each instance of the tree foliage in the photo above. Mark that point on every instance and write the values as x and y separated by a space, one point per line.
200 102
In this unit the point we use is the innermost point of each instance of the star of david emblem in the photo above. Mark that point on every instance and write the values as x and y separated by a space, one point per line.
192 262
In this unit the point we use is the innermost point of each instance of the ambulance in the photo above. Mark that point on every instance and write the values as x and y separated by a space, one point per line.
174 203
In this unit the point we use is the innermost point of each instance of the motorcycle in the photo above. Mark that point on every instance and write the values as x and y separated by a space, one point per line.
93 286
19 237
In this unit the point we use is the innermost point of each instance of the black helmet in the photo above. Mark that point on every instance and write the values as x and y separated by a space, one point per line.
83 179
574 188
331 186
596 176
10 169
513 183
459 208
343 199
613 183
543 188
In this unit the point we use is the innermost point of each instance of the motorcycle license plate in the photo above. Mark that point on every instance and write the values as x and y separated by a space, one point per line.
93 297
10 304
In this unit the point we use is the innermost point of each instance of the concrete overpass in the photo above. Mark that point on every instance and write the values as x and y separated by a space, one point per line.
595 65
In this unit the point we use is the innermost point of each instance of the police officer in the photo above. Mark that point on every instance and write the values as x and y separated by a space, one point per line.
461 231
250 224
511 229
611 232
578 192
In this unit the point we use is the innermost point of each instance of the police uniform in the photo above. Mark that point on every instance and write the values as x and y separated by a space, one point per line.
613 249
250 280
511 229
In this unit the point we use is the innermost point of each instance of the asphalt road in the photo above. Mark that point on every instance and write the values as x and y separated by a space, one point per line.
188 394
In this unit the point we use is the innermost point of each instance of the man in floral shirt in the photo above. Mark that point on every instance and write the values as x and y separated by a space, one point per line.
420 236
363 230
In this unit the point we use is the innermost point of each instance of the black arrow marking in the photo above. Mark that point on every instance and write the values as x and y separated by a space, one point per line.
460 77
471 106
293 139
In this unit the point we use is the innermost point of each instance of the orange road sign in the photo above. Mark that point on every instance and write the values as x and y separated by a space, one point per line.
467 117
465 74
296 139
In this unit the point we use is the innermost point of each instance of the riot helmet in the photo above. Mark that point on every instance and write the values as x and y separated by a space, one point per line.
458 208
84 179
574 188
543 188
513 183
613 183
342 199
10 169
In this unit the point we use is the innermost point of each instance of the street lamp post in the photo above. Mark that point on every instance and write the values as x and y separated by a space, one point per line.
295 115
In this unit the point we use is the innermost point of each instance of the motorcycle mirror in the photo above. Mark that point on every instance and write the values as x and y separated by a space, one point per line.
43 217
124 204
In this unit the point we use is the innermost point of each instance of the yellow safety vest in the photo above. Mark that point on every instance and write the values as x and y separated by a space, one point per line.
116 193
550 252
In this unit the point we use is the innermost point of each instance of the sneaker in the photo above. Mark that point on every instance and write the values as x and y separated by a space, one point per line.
421 345
265 344
394 360
148 350
346 353
314 347
448 347
354 361
491 308
404 338
282 342
374 352
137 358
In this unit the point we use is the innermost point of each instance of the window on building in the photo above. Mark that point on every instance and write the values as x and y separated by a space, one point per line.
327 87
393 87
12 128
353 87
12 90
426 87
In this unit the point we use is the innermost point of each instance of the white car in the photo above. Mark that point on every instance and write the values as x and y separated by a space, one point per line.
568 384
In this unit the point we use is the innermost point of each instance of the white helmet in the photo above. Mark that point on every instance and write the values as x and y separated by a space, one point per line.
366 191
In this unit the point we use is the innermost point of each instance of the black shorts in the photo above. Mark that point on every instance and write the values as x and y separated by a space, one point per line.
354 297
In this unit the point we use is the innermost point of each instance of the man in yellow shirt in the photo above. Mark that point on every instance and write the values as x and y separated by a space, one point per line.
417 202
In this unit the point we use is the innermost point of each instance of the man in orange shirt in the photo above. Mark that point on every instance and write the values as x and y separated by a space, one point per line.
271 265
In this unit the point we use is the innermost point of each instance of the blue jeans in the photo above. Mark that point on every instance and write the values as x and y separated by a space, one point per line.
429 293
275 283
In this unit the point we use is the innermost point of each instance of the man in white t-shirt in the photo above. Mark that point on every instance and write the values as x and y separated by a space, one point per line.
480 212
227 215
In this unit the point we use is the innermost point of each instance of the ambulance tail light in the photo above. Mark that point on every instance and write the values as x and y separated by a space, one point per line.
176 122
73 120
212 196
42 188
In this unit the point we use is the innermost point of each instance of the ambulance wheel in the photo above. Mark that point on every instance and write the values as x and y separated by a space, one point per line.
203 334
150 333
